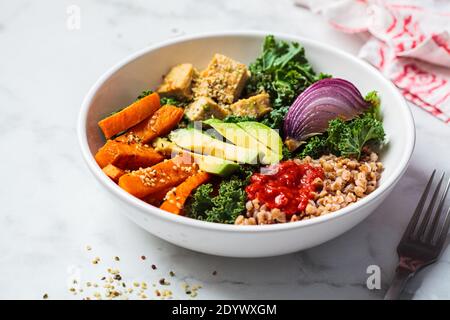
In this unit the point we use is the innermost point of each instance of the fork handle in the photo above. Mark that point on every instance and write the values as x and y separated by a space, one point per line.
402 275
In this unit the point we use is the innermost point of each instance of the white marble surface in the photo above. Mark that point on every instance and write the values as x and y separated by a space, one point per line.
51 207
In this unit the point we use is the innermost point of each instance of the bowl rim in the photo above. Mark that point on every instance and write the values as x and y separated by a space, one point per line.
190 222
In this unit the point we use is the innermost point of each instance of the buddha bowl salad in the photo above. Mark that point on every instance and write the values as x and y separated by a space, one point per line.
272 142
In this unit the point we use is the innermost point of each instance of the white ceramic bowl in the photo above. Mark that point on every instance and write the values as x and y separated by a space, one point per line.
122 83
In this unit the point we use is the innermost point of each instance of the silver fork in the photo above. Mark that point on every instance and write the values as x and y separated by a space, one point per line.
422 242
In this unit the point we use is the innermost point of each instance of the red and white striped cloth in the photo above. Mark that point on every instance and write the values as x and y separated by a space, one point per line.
409 41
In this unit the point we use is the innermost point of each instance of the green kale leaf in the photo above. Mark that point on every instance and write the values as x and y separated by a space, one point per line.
286 153
274 119
144 94
201 201
346 138
222 208
282 71
163 100
374 99
315 147
227 204
235 119
172 101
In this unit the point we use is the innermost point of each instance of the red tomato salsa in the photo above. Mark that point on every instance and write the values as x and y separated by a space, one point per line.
288 186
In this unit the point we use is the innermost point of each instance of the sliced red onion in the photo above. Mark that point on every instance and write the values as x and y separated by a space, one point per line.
320 103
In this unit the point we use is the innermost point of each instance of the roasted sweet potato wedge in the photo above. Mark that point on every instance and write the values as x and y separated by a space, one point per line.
130 116
176 198
113 172
158 125
166 174
129 156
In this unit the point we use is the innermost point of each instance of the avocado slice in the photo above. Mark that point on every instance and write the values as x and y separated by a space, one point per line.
267 136
237 135
210 164
198 142
220 167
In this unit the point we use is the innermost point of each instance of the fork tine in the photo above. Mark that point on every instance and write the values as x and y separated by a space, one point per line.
429 211
435 222
415 218
444 230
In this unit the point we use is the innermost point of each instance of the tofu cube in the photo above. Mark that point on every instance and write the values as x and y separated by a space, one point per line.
255 106
205 108
223 80
177 82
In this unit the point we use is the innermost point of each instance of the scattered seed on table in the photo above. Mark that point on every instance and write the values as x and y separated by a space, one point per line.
114 286
167 293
